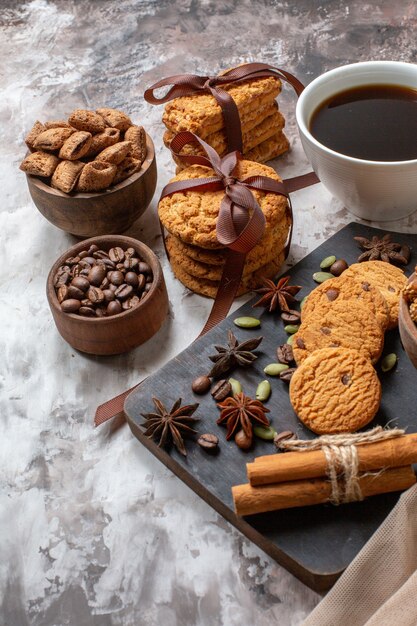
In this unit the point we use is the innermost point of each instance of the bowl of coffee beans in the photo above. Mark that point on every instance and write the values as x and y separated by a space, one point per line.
107 294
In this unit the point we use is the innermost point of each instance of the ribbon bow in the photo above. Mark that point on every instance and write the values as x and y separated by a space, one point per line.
241 222
191 84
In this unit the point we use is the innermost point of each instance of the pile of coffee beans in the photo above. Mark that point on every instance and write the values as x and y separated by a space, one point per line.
96 283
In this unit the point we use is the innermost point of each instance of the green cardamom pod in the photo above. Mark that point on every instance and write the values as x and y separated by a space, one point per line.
321 277
275 369
264 433
291 328
247 322
327 262
236 386
263 391
388 362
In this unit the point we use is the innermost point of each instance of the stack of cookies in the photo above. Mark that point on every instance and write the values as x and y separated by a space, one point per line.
261 121
196 256
335 388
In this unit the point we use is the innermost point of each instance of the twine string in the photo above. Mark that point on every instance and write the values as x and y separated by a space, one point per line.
341 456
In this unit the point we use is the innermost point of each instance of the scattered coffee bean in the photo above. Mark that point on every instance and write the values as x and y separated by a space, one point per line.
327 262
247 322
338 267
221 390
101 283
208 442
291 317
285 354
321 277
236 386
201 385
242 440
70 306
287 375
283 436
275 369
263 391
262 432
388 362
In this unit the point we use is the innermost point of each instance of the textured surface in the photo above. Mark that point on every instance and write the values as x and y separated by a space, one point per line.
335 390
94 531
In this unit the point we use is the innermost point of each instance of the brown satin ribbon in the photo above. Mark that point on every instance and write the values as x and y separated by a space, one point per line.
191 84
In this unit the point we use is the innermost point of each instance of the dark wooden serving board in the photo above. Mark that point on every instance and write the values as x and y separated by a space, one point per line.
314 543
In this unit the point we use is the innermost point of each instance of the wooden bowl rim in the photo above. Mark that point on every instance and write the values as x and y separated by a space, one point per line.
150 157
114 240
405 317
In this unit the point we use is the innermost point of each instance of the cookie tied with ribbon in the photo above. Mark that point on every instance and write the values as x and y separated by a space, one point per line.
224 206
235 110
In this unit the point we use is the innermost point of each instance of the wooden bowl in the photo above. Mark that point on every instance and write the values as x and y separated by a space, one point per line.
408 329
102 213
118 333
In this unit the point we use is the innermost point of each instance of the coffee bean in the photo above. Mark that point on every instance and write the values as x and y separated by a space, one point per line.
100 254
285 354
147 287
131 278
113 308
121 267
108 295
338 267
144 268
131 263
81 283
72 260
130 303
96 275
70 306
116 277
129 252
74 292
87 302
142 282
149 278
287 374
113 287
62 293
95 295
93 248
83 254
123 291
76 270
108 264
85 271
201 385
100 311
291 317
105 284
283 436
116 254
208 442
221 390
86 311
61 279
88 260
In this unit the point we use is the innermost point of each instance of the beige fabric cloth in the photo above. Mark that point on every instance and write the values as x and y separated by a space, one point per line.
379 588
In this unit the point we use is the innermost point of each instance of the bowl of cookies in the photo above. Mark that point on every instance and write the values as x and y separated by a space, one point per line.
92 174
107 294
408 318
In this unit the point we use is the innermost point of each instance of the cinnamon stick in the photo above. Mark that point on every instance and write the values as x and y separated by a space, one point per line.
249 500
276 468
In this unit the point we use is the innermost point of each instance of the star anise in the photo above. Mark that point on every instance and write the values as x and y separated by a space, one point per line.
383 249
168 427
239 411
233 354
277 295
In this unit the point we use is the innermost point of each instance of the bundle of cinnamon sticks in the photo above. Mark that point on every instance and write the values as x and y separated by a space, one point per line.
292 479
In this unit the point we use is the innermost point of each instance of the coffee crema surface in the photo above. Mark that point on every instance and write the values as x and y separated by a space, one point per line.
372 122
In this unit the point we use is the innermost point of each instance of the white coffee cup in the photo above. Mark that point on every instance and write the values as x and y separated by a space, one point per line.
372 190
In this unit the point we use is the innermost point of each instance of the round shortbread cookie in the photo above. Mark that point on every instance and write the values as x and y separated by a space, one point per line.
390 280
347 289
192 215
209 288
214 272
335 390
346 325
